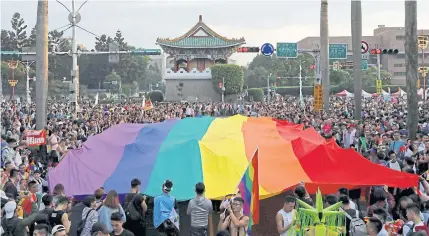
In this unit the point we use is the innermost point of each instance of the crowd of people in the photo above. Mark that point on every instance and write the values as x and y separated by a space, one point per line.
30 208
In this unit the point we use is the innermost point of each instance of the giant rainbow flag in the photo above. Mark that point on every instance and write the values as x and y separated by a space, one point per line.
216 151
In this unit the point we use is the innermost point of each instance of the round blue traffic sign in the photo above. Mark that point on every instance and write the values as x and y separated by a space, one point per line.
267 49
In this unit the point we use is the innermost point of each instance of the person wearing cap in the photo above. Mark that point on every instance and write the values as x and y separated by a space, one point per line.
59 230
99 229
12 224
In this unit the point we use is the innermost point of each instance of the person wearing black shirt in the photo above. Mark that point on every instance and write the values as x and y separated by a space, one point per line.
135 189
10 186
118 230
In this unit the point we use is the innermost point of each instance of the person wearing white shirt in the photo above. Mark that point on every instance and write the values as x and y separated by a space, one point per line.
285 217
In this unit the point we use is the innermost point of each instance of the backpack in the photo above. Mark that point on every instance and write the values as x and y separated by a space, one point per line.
357 225
130 211
82 223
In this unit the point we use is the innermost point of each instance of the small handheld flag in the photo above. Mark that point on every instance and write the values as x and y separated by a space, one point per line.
249 191
148 105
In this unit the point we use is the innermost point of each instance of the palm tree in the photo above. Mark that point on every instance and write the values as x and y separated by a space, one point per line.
356 25
411 62
324 52
42 63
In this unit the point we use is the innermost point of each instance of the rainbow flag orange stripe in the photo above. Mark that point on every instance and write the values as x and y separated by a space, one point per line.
249 191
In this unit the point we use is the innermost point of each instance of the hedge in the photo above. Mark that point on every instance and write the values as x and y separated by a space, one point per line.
156 96
257 94
233 75
309 90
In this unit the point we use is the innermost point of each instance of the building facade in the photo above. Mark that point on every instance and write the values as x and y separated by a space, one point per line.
385 38
190 58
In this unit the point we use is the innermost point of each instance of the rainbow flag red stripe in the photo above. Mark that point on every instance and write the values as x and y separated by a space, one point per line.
249 191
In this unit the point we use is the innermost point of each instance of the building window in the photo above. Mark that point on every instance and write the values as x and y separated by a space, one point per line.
399 73
400 37
398 65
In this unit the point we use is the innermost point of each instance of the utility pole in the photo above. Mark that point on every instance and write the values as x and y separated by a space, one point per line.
42 63
411 63
27 65
324 52
356 25
74 77
223 89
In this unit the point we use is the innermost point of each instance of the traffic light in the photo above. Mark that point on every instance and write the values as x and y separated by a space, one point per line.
376 51
418 83
312 67
220 85
248 49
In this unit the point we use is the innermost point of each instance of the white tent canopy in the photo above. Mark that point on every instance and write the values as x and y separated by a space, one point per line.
365 94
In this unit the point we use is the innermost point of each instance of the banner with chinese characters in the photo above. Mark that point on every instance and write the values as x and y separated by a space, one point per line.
35 138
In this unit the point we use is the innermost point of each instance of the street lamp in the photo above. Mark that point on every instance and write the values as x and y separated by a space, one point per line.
12 65
301 99
268 88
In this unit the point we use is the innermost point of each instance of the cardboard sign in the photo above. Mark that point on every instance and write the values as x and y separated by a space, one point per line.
35 138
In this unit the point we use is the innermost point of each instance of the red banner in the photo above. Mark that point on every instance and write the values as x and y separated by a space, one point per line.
35 138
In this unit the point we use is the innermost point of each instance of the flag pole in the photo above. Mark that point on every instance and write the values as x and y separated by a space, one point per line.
251 159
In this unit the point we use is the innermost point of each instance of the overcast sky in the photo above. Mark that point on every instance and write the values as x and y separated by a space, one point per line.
258 21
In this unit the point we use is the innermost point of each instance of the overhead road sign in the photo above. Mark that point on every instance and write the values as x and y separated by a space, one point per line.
287 50
338 51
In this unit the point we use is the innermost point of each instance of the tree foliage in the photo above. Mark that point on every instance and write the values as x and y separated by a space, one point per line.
232 75
255 94
285 72
93 69
156 96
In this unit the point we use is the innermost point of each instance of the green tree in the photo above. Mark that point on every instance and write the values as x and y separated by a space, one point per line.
102 43
19 31
31 41
7 40
256 78
341 78
156 96
255 94
179 88
113 76
57 38
287 69
231 74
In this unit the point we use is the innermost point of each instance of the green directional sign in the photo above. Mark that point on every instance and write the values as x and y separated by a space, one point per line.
338 51
10 52
364 64
148 52
287 50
